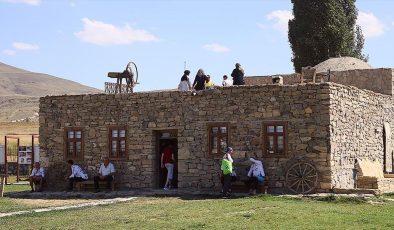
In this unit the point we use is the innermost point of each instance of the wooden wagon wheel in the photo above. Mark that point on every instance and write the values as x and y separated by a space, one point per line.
301 178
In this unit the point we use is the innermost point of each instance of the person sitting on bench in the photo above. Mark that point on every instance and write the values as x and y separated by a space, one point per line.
256 175
106 172
36 177
77 175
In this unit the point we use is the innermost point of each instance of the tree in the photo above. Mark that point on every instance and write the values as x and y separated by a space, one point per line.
324 29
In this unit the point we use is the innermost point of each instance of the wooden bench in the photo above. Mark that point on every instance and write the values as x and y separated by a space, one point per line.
240 186
89 185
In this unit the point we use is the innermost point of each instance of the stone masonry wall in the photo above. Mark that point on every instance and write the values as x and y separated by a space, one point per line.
376 80
245 108
356 130
288 79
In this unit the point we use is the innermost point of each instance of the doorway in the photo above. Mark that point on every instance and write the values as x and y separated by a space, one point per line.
166 138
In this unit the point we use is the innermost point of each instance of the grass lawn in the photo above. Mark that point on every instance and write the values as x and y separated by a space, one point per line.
17 188
262 212
10 205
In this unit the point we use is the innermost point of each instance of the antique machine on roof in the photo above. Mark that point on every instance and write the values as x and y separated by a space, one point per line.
128 75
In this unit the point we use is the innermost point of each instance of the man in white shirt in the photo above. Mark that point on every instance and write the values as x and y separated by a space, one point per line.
106 173
77 174
36 177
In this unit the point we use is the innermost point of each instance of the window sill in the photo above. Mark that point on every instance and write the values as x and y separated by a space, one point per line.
282 155
74 158
118 158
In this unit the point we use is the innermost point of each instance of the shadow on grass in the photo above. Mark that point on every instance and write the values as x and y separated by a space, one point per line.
184 195
199 196
391 194
342 199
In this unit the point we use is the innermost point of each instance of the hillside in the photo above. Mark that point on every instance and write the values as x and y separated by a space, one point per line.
20 91
19 82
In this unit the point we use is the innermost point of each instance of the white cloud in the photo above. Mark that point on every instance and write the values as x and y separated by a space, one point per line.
216 48
281 20
9 52
24 46
101 33
370 24
28 2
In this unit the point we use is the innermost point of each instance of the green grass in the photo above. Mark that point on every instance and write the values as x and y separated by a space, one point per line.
9 205
16 188
262 212
12 179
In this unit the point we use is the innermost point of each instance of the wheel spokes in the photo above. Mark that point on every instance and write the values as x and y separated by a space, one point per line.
301 178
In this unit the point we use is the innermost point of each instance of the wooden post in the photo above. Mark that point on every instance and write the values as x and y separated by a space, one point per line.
17 162
5 157
2 184
32 151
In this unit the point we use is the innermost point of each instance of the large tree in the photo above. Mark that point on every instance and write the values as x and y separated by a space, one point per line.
322 29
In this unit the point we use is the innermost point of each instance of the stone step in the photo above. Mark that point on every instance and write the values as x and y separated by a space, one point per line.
357 191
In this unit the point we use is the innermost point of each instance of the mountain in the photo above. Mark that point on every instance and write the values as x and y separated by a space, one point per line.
20 91
19 82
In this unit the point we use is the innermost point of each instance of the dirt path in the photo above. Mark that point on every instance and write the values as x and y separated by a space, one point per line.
65 207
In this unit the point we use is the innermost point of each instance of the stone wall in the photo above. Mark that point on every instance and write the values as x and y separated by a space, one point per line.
245 108
376 80
356 130
288 79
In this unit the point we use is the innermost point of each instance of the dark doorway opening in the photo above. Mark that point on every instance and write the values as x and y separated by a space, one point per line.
166 138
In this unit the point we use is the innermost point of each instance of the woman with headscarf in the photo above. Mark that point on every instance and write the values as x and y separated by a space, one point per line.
185 85
256 175
238 75
199 81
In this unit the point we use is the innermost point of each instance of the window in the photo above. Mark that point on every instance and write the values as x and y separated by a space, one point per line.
74 143
275 138
218 138
117 142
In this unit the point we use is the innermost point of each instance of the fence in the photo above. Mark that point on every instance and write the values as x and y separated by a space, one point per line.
111 88
19 159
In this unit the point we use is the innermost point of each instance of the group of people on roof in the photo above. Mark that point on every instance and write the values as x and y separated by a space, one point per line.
203 81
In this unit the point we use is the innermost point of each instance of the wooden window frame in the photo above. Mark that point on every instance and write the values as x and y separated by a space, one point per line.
218 135
74 140
275 135
118 140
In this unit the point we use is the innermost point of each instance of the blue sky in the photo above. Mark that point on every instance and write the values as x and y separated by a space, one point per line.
83 40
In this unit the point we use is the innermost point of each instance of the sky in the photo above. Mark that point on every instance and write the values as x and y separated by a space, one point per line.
84 40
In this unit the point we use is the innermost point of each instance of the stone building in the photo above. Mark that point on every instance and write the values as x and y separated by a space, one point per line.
310 136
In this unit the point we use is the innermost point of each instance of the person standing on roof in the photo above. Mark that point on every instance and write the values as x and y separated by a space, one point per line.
238 75
185 85
199 81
